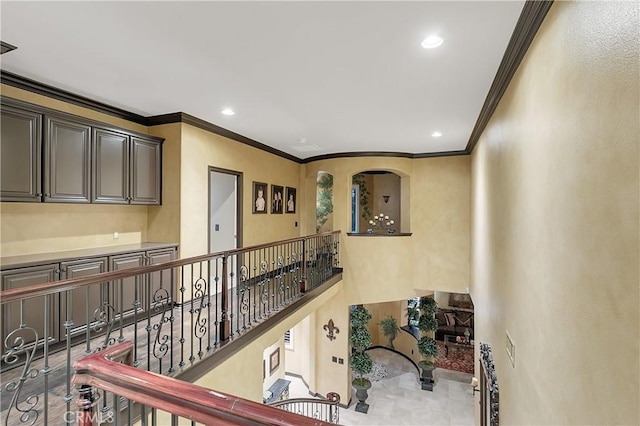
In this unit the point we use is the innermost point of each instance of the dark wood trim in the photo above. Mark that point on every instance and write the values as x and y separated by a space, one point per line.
382 154
24 83
5 100
181 117
6 47
187 400
533 13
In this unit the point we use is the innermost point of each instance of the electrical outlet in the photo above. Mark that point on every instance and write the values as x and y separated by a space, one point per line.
334 359
116 235
340 361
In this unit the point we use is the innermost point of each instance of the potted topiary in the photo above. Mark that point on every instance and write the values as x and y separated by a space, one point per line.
361 362
390 329
427 345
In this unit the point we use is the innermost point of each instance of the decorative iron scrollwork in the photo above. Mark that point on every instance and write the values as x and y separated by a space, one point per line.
27 407
105 315
161 305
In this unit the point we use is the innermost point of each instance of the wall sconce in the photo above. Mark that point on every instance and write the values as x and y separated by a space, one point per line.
330 328
474 385
386 198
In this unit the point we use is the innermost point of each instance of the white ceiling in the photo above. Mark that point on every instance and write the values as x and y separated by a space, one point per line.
343 76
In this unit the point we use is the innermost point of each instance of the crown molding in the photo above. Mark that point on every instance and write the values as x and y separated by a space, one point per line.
531 17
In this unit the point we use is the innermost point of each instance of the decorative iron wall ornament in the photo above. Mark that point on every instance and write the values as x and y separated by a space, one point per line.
331 330
488 383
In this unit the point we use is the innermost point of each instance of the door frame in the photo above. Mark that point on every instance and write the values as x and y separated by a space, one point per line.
239 187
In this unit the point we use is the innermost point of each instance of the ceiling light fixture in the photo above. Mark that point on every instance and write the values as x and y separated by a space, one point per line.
432 42
228 111
436 134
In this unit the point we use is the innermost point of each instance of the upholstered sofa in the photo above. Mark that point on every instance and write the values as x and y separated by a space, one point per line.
454 322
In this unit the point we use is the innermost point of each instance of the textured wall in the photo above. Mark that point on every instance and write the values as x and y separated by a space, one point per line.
555 222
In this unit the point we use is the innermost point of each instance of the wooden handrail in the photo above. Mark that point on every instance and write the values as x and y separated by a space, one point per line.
333 398
37 290
181 398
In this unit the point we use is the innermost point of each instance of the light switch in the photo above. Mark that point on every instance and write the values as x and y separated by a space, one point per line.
217 228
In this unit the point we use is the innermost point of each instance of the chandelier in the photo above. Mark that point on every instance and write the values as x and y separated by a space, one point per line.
381 224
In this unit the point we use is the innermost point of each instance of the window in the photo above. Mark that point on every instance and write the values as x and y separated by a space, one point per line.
288 339
354 208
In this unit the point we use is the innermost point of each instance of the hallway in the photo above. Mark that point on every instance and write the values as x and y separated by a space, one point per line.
397 399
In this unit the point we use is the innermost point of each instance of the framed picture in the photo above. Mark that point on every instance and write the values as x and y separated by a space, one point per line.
274 361
259 197
277 197
290 205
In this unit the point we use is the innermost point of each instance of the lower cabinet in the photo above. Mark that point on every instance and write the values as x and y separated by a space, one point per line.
72 311
81 305
39 315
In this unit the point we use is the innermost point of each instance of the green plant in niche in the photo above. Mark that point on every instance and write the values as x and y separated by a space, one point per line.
390 329
324 199
360 180
360 339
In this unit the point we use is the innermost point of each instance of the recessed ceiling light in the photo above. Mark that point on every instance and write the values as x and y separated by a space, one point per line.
432 42
436 134
228 111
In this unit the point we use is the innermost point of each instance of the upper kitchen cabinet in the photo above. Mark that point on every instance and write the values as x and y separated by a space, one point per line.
126 168
110 167
20 155
146 167
67 161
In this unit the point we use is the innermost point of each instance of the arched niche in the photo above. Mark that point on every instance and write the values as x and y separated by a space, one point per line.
324 202
379 202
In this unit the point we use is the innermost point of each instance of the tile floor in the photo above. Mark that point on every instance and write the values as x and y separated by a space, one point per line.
398 400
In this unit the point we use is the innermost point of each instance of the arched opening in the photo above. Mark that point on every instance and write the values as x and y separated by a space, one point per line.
376 201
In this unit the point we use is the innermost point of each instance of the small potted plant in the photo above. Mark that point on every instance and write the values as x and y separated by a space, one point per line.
427 345
361 362
389 329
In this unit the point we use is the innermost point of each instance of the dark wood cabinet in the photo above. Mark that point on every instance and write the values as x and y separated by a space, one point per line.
146 169
20 155
110 167
67 164
75 160
160 285
122 294
82 304
36 314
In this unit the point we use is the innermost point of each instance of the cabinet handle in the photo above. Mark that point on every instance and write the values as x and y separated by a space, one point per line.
56 271
46 194
39 194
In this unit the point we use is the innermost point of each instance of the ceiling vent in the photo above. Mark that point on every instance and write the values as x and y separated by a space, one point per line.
6 47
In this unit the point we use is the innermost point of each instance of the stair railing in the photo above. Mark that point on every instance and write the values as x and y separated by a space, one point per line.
109 371
326 410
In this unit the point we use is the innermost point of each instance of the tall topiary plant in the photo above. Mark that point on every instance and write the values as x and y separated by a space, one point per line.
361 362
427 345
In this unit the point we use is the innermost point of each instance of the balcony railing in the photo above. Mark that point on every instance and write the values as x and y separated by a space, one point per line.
133 389
322 409
177 314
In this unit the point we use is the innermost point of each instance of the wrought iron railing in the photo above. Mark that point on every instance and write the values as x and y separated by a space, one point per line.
137 390
326 410
176 314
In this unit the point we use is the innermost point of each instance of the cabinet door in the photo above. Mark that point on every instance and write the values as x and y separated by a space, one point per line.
124 294
146 166
37 313
110 167
82 304
67 164
161 284
20 155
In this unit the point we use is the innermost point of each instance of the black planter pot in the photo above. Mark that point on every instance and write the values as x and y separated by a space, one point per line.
426 376
362 385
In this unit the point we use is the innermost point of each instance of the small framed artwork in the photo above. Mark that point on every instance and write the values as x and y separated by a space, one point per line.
290 205
277 195
259 197
274 361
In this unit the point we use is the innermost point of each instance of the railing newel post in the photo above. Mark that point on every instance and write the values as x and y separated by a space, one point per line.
225 326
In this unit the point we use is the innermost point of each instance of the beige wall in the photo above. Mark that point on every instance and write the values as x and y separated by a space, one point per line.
28 228
241 374
435 208
201 149
555 222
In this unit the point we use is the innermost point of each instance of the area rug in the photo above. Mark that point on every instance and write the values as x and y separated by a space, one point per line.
459 359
